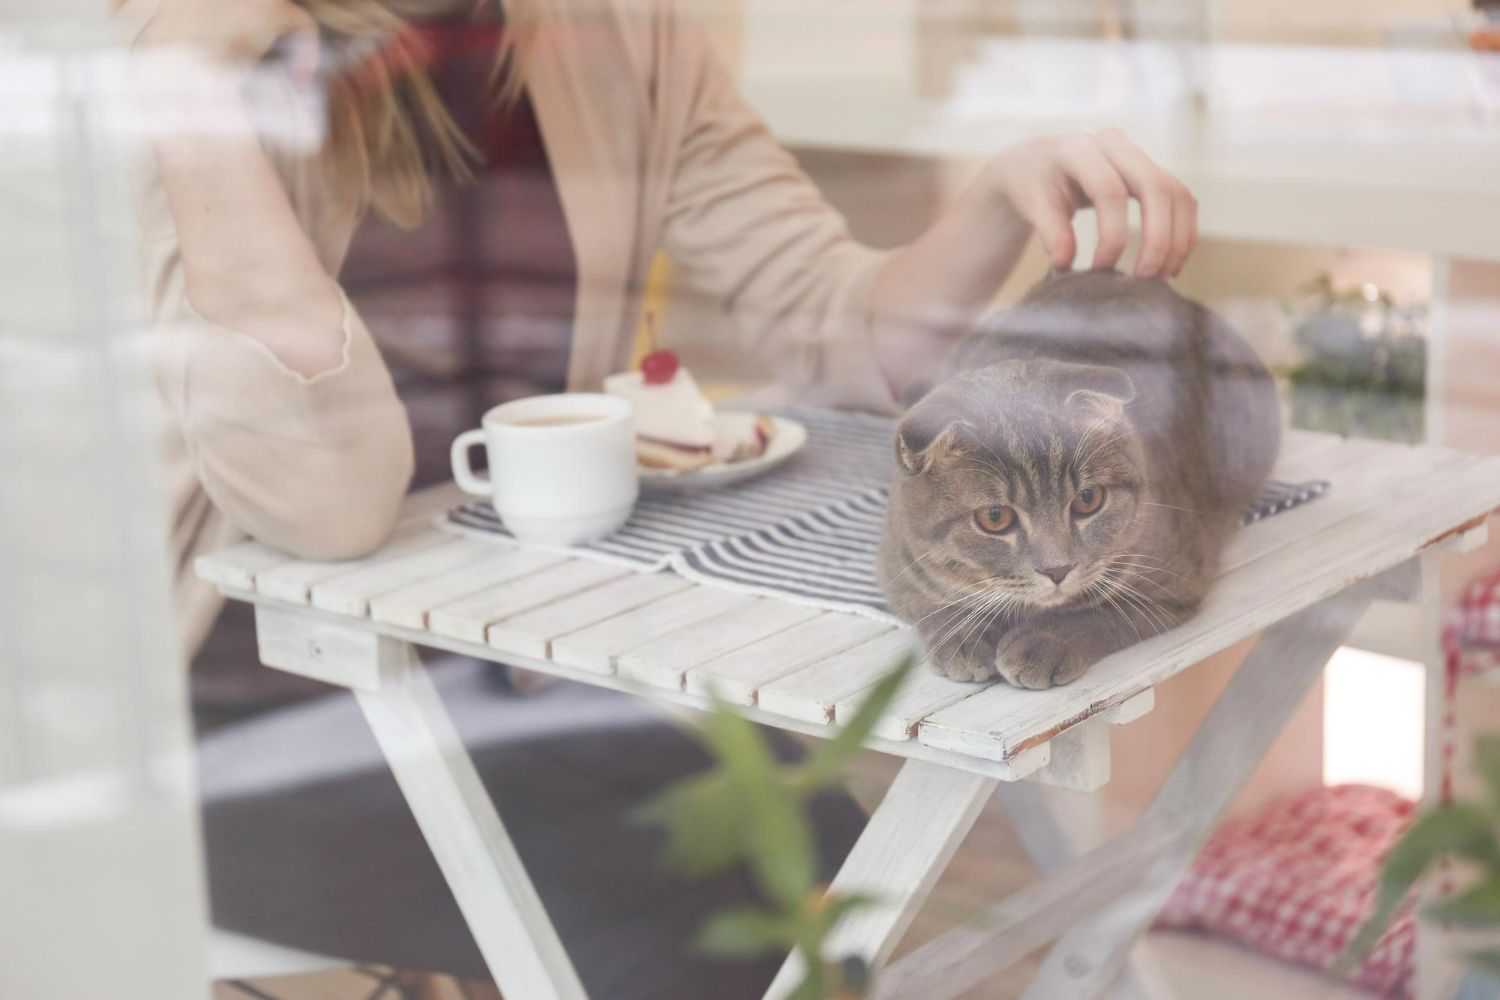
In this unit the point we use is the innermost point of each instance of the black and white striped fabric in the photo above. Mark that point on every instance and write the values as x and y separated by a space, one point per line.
845 454
806 532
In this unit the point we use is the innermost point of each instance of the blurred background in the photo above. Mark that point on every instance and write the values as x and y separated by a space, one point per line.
1346 158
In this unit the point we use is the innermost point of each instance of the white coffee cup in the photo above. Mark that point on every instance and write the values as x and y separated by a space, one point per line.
562 467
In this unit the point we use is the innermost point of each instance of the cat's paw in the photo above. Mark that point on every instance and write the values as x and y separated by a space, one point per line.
963 668
1036 659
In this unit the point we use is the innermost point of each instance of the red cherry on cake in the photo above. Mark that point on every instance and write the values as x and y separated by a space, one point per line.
658 367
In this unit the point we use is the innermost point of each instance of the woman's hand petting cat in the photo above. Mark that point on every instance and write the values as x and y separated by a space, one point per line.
933 290
1047 180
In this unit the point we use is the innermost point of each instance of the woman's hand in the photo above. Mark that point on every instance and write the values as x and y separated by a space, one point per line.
1047 180
932 291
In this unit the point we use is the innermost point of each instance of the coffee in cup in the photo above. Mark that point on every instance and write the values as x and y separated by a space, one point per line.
562 467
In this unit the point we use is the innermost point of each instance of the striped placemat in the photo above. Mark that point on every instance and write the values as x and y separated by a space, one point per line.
846 453
806 532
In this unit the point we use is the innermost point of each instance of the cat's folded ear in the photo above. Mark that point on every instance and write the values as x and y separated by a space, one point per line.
1096 389
930 430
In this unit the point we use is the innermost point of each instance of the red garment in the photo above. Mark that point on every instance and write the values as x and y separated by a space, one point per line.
474 307
1297 880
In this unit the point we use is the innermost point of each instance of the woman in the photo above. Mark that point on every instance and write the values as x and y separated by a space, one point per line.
308 121
290 430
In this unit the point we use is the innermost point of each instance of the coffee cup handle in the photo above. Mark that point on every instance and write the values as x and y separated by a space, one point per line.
463 473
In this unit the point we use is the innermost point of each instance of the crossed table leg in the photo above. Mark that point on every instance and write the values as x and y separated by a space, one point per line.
1098 905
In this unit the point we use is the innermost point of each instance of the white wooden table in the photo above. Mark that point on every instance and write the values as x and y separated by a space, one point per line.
1301 578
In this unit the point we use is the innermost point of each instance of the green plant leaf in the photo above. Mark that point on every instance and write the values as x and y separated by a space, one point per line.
1487 762
826 763
832 909
779 846
744 933
1459 828
811 988
1477 906
782 850
703 823
1486 961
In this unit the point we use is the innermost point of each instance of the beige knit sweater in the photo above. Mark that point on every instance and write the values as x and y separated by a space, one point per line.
652 149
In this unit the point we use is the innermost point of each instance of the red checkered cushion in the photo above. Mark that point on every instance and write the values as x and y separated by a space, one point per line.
1296 880
1476 619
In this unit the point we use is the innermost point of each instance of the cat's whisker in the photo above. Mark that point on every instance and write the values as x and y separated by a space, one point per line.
1129 601
909 566
1128 433
956 627
1137 574
1088 435
1003 603
965 629
994 470
1170 506
960 594
1104 592
1162 619
977 620
1130 559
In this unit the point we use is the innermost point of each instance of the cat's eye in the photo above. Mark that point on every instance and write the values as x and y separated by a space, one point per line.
996 520
1087 501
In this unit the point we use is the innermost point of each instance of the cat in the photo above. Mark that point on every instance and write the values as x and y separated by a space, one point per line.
1067 487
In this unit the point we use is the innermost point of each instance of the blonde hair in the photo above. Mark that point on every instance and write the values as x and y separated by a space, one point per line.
389 134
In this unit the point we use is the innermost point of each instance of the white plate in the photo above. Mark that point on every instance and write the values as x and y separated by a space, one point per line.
786 440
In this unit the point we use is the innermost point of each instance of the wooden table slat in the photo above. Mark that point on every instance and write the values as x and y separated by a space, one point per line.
532 633
469 617
662 662
736 677
596 646
1361 475
350 593
506 566
294 581
801 668
1295 443
239 565
925 692
812 693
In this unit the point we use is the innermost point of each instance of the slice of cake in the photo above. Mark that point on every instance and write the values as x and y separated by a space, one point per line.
738 436
674 423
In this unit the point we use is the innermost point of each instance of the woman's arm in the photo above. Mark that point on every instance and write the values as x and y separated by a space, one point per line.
746 225
288 413
247 262
933 290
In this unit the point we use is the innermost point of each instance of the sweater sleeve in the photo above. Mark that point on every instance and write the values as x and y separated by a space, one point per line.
745 224
317 465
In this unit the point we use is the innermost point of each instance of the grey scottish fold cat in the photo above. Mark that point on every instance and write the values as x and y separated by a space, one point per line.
1067 490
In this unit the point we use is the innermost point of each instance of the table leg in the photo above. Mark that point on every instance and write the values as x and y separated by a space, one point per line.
1231 741
907 843
1053 847
1100 904
438 780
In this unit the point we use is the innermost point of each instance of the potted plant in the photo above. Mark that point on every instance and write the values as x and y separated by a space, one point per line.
1363 362
1464 835
751 810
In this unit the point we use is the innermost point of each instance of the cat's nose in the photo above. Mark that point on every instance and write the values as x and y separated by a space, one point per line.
1057 574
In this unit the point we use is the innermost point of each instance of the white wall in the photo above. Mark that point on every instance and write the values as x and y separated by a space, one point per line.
101 889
